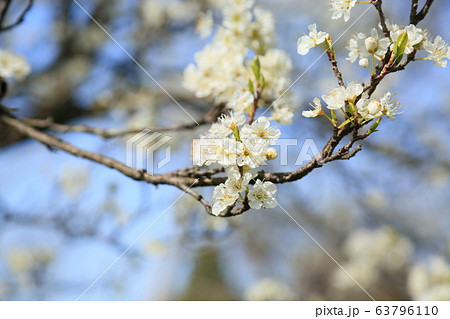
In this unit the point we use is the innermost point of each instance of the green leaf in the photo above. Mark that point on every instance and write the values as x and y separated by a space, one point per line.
256 67
251 88
399 47
374 126
329 46
236 134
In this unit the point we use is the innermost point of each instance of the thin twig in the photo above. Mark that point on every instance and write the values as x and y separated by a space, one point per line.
422 14
378 5
413 13
19 19
335 68
105 133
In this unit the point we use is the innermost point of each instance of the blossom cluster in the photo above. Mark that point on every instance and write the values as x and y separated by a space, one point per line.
371 254
365 108
241 148
376 46
432 282
351 99
391 255
363 46
342 8
223 69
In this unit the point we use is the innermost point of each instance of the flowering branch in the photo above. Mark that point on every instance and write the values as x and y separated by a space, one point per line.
238 142
191 177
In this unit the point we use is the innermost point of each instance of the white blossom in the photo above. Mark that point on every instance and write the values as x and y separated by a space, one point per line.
219 72
222 70
342 8
392 27
438 51
356 47
223 197
223 151
364 63
242 4
260 129
307 42
282 114
216 131
335 99
317 109
276 67
381 44
389 106
13 65
262 195
154 13
416 36
252 153
236 181
371 108
432 282
232 120
371 254
225 125
236 18
352 91
262 30
205 24
363 46
242 101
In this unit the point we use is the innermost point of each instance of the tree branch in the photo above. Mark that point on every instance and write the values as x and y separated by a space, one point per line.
105 133
335 68
57 143
417 17
4 8
48 123
377 4
413 13
193 176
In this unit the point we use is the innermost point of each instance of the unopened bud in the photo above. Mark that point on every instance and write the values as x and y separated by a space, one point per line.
271 153
364 63
371 44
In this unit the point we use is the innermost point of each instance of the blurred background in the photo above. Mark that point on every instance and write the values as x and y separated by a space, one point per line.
384 215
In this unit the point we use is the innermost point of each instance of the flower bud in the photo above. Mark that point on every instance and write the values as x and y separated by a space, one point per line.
371 44
364 63
271 153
